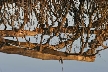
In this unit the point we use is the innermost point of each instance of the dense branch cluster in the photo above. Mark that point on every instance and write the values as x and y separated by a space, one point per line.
68 20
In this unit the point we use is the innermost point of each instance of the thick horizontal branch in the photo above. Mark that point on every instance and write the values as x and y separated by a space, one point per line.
47 54
70 30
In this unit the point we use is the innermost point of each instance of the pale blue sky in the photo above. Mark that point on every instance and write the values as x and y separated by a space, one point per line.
18 63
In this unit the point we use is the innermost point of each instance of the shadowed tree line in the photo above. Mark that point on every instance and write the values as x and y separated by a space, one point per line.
68 20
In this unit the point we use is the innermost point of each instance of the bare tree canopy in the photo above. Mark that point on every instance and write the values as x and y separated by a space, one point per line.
67 20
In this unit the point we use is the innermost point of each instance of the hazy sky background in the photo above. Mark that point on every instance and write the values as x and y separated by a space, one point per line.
18 63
